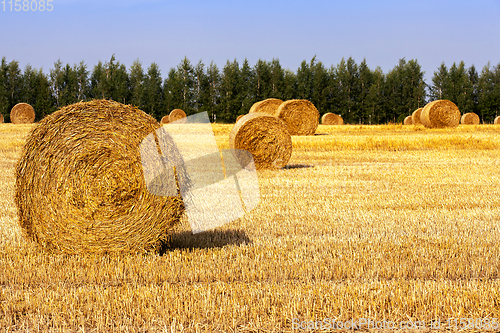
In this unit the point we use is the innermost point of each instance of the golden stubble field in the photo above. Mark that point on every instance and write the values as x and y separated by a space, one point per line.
393 223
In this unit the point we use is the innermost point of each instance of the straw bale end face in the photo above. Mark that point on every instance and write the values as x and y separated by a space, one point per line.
266 137
177 115
80 186
470 119
300 116
415 116
331 119
408 121
165 120
22 113
269 105
440 114
497 121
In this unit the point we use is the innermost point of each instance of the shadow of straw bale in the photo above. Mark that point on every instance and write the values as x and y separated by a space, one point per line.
321 134
298 166
205 240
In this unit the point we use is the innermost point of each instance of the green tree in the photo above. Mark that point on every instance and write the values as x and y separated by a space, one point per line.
98 85
439 83
230 85
246 93
214 105
185 72
262 81
136 78
153 92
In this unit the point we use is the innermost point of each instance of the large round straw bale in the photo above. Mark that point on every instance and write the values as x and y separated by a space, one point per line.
269 105
177 115
165 120
239 117
331 119
80 184
266 137
300 116
22 113
1 118
470 119
415 116
440 114
408 120
497 121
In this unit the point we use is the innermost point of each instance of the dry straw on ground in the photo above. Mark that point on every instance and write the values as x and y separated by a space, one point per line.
497 121
300 116
269 105
266 137
470 119
80 185
22 113
165 120
331 119
408 120
239 117
440 114
415 116
177 115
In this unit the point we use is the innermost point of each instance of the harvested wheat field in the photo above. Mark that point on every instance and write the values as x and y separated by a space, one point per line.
335 236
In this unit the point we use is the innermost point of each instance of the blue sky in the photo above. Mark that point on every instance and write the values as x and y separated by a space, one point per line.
292 31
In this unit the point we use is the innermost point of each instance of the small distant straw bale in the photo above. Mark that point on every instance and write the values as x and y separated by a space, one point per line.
497 121
470 119
408 120
269 105
266 137
440 114
331 119
165 120
80 186
177 115
300 116
415 116
22 113
1 118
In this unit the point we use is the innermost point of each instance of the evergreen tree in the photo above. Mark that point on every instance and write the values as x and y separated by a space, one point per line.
187 81
172 92
13 84
136 78
277 79
262 81
3 91
247 95
82 81
153 92
375 100
439 83
213 105
98 89
230 92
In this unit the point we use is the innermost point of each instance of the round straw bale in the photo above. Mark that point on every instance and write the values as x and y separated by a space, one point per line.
1 118
266 137
408 120
440 114
331 119
80 185
300 116
497 121
165 120
239 117
269 105
177 115
415 116
22 113
470 119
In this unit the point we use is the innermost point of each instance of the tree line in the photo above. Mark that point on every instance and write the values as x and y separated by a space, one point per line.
361 95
